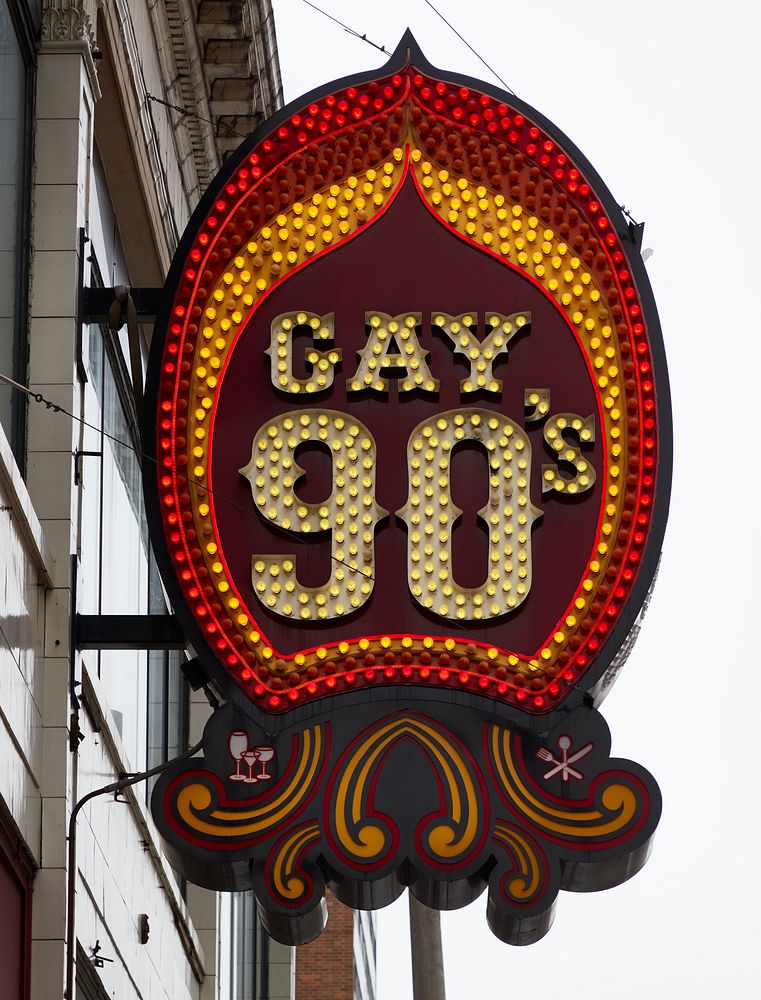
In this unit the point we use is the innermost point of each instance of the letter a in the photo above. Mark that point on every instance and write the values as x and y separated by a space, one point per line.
378 357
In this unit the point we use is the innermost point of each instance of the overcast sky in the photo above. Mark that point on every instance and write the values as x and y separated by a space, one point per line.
662 97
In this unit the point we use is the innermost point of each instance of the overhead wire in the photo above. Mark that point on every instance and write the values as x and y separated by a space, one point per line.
193 114
382 48
37 397
347 29
467 43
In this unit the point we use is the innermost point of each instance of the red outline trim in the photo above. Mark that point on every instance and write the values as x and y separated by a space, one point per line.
606 240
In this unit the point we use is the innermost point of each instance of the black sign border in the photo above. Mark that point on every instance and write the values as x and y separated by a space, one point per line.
406 52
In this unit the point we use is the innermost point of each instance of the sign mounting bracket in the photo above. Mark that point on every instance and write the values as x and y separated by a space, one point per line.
129 632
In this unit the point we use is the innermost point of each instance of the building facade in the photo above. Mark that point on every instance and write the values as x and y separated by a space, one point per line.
114 115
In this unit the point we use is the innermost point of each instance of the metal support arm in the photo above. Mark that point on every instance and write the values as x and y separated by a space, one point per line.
97 304
129 632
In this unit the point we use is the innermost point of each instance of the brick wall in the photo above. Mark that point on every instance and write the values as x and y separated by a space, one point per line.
325 968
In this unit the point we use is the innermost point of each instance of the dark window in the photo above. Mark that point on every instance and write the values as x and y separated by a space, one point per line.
16 910
111 382
168 703
167 722
249 952
16 103
167 691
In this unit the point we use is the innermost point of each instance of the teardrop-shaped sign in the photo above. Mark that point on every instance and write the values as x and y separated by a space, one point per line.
412 419
408 465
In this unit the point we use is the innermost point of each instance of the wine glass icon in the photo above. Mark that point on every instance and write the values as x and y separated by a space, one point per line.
250 756
264 754
237 744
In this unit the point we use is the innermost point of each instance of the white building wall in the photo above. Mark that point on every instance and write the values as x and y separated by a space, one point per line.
124 874
121 872
63 140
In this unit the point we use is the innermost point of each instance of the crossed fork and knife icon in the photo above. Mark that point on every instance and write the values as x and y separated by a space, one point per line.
563 766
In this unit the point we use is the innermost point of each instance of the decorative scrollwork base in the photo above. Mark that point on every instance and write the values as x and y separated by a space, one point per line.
371 802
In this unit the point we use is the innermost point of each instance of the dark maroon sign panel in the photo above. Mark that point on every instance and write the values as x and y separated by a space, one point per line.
407 262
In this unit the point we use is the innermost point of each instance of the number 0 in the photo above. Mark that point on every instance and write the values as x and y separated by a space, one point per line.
430 515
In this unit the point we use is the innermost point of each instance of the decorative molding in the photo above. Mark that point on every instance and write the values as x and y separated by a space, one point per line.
68 27
187 48
67 21
259 20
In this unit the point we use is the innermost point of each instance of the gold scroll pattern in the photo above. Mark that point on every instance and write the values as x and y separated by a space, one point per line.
528 881
289 883
213 818
613 809
364 837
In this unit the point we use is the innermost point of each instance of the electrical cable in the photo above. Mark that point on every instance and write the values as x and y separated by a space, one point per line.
384 50
192 114
312 542
347 29
465 42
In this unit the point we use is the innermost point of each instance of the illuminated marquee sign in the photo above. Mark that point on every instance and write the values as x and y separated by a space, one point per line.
409 463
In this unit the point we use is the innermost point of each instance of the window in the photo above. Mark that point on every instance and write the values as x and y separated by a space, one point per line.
16 99
167 692
15 906
127 575
245 976
168 705
146 691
